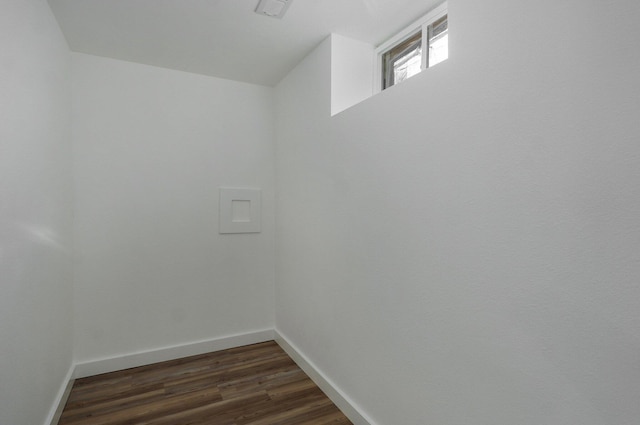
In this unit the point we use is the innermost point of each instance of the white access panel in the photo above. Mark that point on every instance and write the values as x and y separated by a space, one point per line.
240 210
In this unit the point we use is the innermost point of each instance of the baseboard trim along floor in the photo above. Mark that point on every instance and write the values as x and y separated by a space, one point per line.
127 361
61 399
344 403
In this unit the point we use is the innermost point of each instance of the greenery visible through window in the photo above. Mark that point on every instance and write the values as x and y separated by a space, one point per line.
406 57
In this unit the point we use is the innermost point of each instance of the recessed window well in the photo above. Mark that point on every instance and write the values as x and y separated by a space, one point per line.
421 45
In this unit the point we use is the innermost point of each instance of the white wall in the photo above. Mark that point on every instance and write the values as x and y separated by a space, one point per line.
151 148
36 328
463 247
352 70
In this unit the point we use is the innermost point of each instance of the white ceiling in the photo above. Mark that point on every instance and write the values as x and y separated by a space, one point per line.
225 38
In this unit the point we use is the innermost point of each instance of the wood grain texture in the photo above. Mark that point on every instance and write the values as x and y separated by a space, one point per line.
252 385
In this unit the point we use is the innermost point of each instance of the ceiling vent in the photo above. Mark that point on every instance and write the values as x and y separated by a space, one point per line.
273 8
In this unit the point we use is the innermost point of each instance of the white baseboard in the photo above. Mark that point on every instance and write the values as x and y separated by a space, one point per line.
346 405
61 399
112 364
127 361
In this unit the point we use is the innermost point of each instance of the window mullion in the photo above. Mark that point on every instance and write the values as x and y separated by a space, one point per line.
412 50
426 34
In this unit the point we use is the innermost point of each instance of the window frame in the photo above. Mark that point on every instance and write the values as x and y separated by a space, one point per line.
421 24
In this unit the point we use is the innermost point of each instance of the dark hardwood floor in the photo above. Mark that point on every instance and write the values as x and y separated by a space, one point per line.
253 385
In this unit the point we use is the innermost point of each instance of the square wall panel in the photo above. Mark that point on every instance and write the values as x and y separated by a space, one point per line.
240 210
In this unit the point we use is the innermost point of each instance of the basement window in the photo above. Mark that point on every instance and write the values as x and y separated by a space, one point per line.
421 45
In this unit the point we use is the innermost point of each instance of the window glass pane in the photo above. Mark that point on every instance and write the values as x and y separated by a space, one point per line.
407 65
403 60
439 41
426 47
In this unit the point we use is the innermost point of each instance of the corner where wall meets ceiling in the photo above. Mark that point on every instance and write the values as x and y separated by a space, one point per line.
225 38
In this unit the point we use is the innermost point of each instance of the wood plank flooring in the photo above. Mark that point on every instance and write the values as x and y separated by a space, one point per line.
253 385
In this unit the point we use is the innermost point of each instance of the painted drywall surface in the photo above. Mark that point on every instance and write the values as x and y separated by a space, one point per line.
35 212
152 147
463 248
351 72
